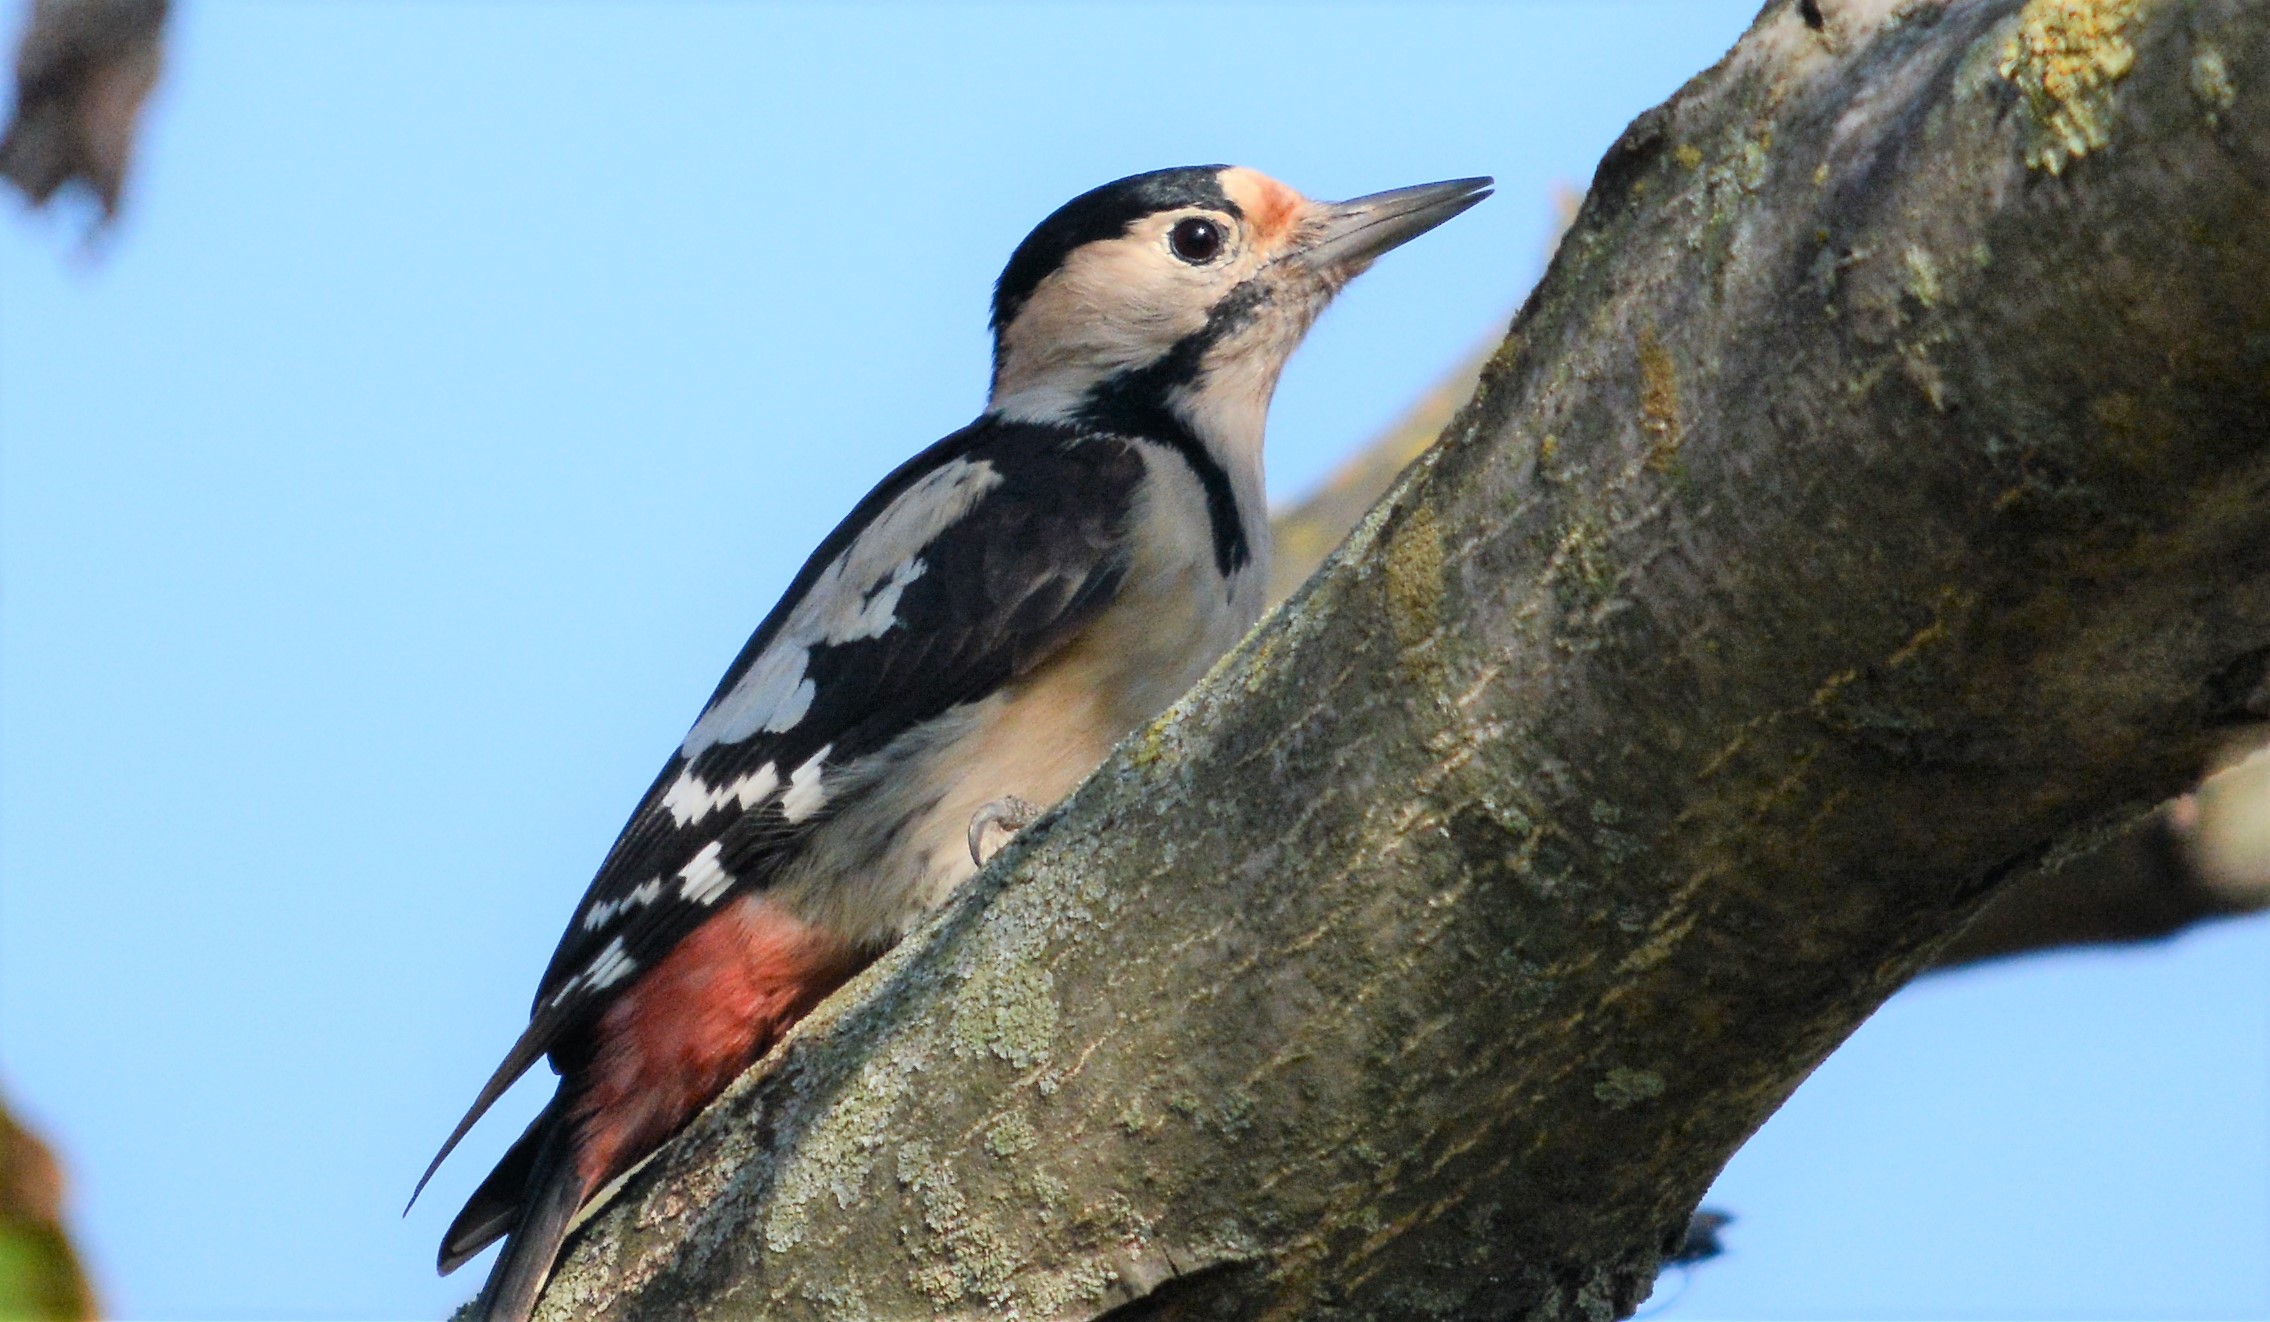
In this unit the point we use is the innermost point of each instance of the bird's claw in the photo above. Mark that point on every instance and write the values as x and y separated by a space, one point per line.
1011 814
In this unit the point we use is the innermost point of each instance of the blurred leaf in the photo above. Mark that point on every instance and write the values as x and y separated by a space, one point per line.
83 69
40 1276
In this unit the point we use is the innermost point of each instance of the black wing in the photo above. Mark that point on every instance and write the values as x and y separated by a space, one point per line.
968 566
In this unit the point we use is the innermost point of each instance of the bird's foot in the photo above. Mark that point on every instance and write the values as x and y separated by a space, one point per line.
1008 815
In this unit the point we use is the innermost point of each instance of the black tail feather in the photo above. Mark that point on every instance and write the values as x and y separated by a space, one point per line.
553 1194
533 1043
495 1206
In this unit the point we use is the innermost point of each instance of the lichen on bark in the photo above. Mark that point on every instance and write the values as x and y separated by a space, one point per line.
2066 56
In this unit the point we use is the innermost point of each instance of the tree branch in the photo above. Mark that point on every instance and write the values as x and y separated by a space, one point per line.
1871 506
2198 860
2202 858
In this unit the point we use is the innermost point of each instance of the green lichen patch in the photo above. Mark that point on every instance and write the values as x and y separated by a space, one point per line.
2211 82
1922 276
1584 573
2065 57
1007 1010
1414 566
1628 1087
1053 1293
1235 1111
1010 1136
1157 742
1659 402
1257 665
834 1157
1043 1190
1500 364
959 1254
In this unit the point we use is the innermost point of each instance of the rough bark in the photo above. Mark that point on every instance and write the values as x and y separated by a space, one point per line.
2203 858
1871 506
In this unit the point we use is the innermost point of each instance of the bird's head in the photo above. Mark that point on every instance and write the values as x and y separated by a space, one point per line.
1172 299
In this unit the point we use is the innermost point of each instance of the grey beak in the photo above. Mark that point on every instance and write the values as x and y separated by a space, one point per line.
1354 232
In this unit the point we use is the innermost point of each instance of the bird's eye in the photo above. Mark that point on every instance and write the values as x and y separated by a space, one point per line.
1195 240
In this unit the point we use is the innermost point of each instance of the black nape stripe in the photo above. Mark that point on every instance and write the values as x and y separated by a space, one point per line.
1136 402
1230 550
1150 419
1101 213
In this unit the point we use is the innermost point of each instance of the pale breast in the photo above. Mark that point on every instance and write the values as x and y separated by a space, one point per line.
901 846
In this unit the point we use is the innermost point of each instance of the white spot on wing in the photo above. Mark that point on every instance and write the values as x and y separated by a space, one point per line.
773 695
806 795
855 597
639 896
612 966
880 610
704 879
689 799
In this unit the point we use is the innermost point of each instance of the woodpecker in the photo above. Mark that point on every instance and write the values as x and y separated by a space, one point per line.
968 643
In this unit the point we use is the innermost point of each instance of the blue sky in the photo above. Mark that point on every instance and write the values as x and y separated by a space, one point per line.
466 380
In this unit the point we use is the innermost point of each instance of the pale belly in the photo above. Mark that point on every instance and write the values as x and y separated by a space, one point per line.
902 846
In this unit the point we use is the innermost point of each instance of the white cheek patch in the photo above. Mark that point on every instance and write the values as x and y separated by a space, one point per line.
1113 306
690 799
704 879
806 795
603 913
856 597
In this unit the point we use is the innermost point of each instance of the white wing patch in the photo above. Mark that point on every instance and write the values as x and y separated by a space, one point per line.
773 695
881 609
612 966
806 795
641 895
704 879
855 597
690 799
